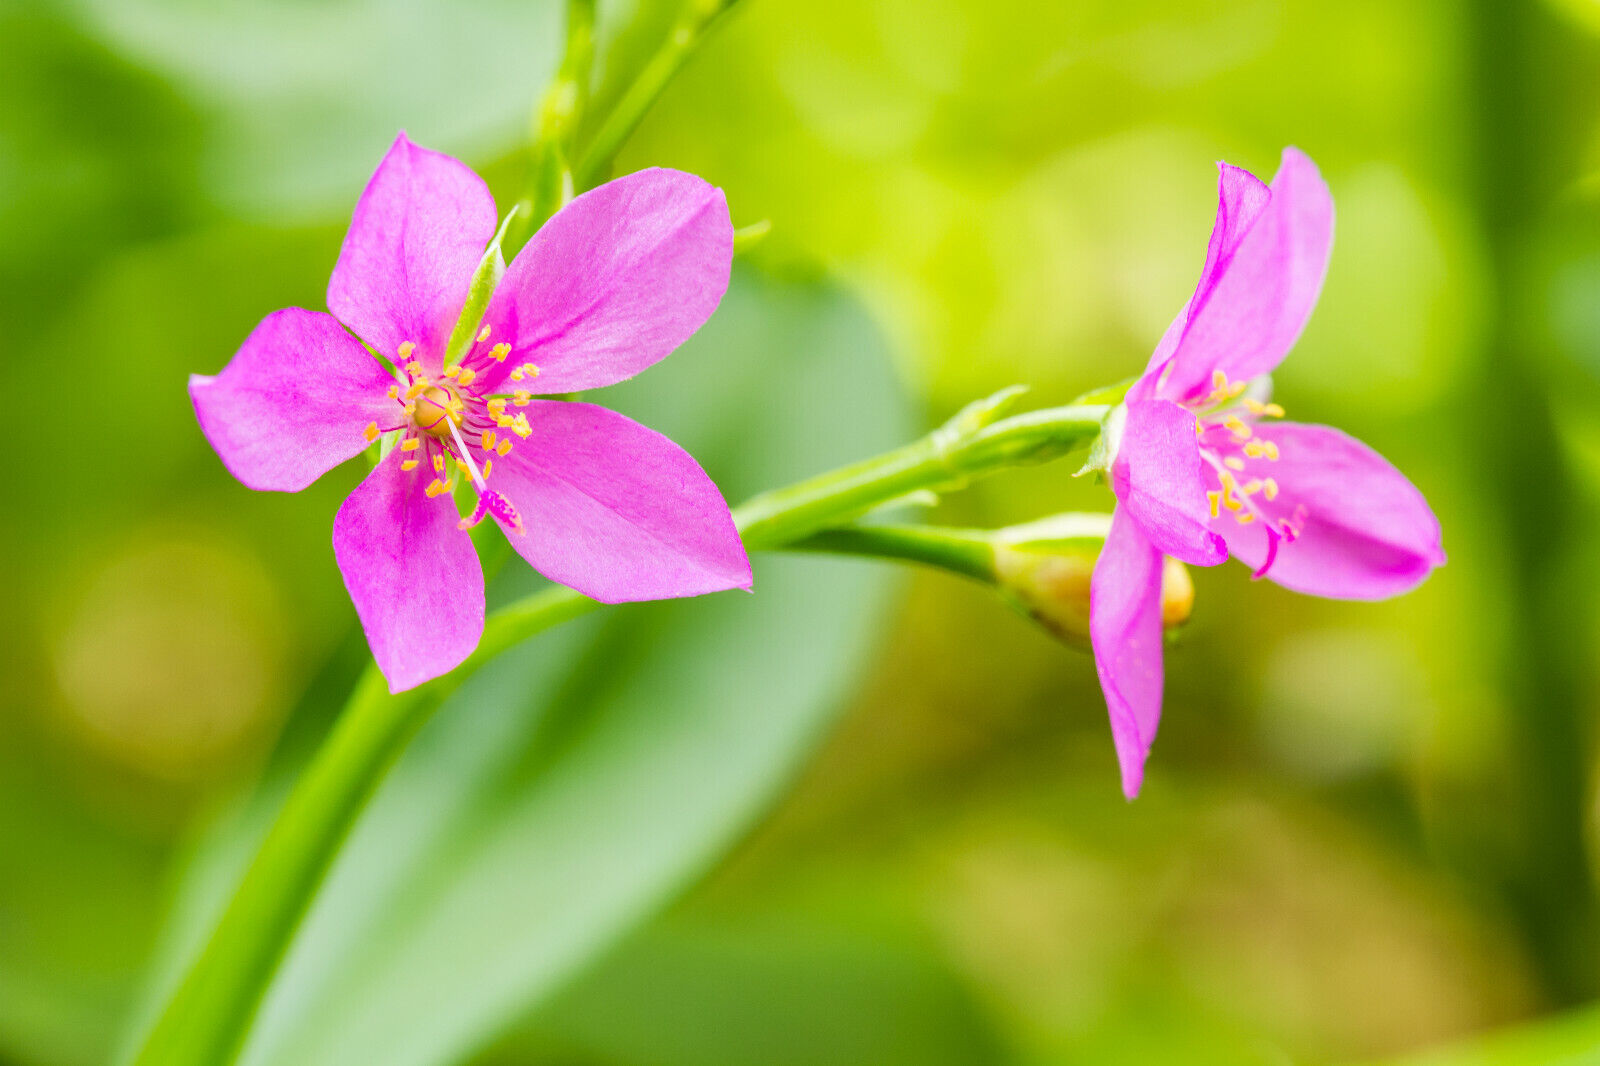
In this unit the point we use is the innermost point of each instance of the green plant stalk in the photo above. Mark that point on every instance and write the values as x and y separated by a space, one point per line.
687 32
549 183
207 1019
967 552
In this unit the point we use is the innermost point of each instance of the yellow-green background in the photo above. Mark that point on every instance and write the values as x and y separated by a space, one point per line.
1368 829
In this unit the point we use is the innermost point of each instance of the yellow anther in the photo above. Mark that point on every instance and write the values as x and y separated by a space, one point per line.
503 421
530 370
411 444
499 352
411 410
1244 519
1233 462
371 432
496 406
1270 450
408 464
467 375
1268 410
450 372
1227 493
435 487
1251 487
438 464
483 334
1262 449
394 392
505 446
1216 501
517 375
412 369
521 397
1269 488
487 439
1237 427
406 348
418 387
488 466
520 426
1219 380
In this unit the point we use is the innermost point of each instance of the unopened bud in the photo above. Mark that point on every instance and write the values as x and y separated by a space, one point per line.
1052 587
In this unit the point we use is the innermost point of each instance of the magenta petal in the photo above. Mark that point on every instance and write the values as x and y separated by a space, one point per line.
1125 629
1260 284
413 576
1360 530
1241 196
293 402
614 282
615 510
418 232
1157 479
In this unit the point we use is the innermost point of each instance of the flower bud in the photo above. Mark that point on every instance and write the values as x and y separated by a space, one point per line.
1052 587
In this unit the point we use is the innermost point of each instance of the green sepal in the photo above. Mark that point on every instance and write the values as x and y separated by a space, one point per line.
484 279
1104 451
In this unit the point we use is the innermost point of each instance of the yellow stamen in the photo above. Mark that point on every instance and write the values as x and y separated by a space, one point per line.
394 392
450 372
467 375
1216 501
521 397
438 464
1233 462
411 444
520 426
408 464
1270 488
371 432
488 465
1237 427
1244 519
406 348
435 487
483 334
487 439
505 446
499 352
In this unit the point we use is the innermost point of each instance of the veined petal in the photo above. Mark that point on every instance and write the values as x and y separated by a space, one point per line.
417 234
413 576
1157 479
1125 629
1241 196
1262 278
1358 529
615 281
615 510
293 402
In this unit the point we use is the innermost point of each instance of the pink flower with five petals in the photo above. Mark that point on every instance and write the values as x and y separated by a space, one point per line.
612 283
1202 470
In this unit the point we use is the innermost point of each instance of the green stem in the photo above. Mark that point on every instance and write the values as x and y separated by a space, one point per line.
549 183
685 36
968 552
206 1020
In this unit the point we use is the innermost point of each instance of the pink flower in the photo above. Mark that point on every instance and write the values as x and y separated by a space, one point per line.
1200 472
616 280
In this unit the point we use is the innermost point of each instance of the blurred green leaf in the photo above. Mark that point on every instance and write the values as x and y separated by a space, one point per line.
1565 1040
575 786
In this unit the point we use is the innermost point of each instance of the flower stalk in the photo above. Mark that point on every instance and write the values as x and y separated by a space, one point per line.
208 1017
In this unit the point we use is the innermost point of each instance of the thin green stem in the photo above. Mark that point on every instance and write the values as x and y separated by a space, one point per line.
968 552
687 32
207 1019
549 183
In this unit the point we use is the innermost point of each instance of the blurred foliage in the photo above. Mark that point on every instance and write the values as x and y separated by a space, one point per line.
1369 829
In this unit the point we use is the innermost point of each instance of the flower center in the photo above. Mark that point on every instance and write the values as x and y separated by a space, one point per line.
438 408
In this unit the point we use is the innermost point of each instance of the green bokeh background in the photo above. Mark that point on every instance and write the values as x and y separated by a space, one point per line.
1369 830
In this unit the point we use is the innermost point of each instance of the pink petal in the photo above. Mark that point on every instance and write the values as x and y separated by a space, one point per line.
418 232
615 510
1261 280
1241 196
1364 531
414 576
293 402
614 282
1157 478
1125 629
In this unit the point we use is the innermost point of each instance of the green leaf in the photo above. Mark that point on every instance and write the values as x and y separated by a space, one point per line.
581 782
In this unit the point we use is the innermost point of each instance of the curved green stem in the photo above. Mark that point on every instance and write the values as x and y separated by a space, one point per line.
685 36
968 552
206 1020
